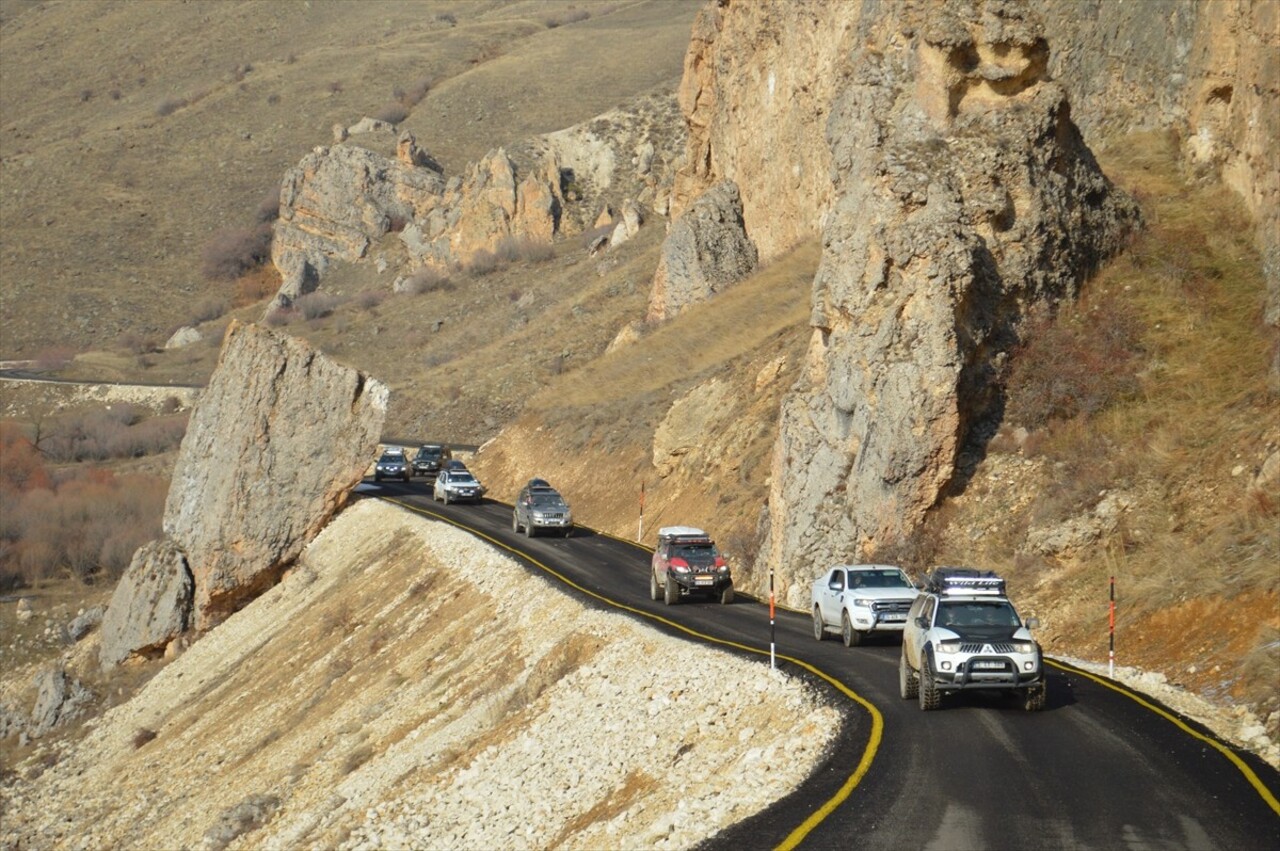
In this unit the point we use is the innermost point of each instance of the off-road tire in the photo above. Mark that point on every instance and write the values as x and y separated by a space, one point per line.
671 592
726 596
529 530
819 628
908 682
850 636
654 593
445 498
1034 698
515 523
930 697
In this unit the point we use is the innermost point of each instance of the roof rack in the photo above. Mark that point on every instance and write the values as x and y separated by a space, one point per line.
672 533
965 581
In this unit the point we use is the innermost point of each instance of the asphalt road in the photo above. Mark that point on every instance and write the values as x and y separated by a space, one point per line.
1100 768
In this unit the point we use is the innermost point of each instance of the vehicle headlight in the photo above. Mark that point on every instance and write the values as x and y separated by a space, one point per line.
680 568
862 602
1024 646
948 646
724 568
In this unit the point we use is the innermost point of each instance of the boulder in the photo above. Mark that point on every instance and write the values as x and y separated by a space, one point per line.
84 622
59 699
706 251
150 606
629 226
277 441
184 336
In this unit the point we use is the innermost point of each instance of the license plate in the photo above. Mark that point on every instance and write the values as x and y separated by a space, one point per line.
704 580
898 617
989 666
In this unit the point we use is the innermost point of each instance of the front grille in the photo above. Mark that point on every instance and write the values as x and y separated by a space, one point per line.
993 648
891 606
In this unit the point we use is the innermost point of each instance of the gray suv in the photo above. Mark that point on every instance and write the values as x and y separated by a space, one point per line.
540 506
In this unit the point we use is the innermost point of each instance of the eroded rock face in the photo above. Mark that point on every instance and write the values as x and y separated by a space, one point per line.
59 699
707 250
150 606
278 440
966 201
335 202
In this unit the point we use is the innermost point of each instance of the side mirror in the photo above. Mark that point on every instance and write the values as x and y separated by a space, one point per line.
921 622
1033 622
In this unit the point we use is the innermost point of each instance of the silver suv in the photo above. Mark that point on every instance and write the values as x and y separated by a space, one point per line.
963 633
540 506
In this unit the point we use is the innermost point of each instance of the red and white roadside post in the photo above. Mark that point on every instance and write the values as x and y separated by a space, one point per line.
1111 638
640 531
773 664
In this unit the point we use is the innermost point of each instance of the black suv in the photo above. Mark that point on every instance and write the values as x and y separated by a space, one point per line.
429 458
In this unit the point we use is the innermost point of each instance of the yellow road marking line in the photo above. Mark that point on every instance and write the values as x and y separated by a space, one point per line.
877 720
1253 779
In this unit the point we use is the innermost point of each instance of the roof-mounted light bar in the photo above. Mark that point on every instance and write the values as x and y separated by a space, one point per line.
965 581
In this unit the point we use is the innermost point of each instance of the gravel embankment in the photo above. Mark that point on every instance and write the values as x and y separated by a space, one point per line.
408 686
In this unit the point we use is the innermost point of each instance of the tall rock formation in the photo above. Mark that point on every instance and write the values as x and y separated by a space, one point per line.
964 201
1207 69
278 440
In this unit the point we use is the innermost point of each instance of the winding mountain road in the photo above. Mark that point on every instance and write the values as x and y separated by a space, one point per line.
1102 767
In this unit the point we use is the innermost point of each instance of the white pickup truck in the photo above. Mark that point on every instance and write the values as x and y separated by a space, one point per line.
861 599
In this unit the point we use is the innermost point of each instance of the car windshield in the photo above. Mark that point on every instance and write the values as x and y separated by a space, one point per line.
462 479
429 452
390 458
967 614
546 500
699 552
878 579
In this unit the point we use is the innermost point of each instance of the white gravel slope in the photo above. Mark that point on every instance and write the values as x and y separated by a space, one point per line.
408 686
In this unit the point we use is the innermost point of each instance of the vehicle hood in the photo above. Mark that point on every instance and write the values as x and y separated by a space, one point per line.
882 593
984 634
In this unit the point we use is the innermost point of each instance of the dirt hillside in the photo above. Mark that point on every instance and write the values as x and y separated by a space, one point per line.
406 684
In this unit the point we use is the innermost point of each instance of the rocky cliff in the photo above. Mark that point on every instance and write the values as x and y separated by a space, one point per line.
940 149
277 441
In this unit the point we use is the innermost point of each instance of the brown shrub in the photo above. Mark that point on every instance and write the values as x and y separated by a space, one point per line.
369 299
511 249
169 106
209 309
255 285
234 251
1076 364
317 305
143 736
392 113
427 280
481 263
88 527
54 357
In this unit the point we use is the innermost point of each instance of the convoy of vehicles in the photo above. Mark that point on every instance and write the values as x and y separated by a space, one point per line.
959 631
540 506
686 563
963 633
860 600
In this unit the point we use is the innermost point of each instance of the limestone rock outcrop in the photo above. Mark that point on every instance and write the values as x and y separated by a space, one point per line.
335 202
706 250
59 699
151 605
278 440
965 201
